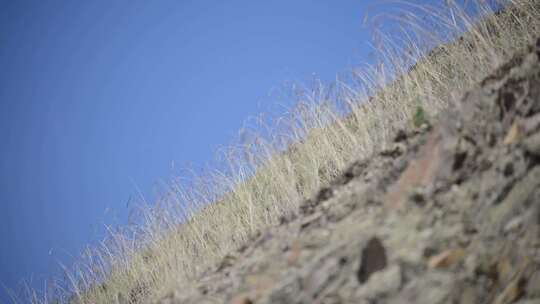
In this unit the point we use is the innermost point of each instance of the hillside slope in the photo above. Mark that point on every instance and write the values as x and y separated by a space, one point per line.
450 213
426 211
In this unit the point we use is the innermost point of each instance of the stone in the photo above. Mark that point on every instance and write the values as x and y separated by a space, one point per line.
373 259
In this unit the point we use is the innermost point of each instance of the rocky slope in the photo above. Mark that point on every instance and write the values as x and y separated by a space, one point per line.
449 214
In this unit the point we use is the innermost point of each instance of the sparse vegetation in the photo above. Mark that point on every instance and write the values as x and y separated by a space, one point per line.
194 226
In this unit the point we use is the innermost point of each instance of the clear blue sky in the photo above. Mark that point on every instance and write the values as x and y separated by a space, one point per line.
98 97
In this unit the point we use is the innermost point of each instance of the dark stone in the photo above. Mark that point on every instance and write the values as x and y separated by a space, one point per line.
373 259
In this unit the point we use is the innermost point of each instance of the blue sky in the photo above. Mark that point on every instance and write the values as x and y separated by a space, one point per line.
99 98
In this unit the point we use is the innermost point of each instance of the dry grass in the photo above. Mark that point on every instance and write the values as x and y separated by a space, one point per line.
194 226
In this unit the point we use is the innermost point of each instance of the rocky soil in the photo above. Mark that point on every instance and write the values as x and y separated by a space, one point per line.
449 214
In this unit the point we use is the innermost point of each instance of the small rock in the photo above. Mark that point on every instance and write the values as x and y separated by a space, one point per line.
373 259
418 196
